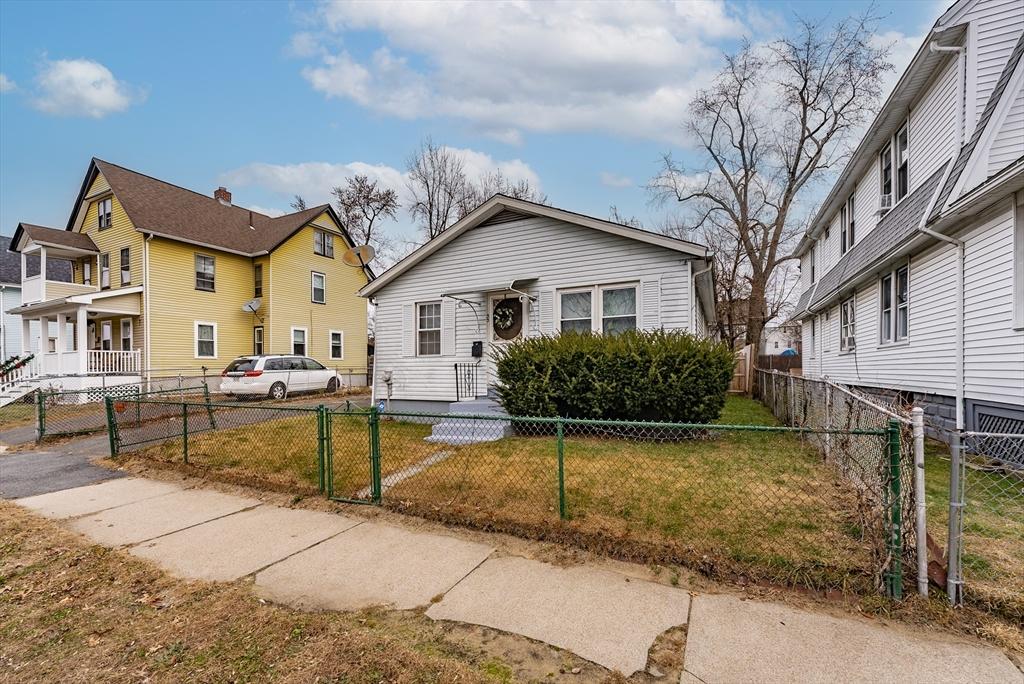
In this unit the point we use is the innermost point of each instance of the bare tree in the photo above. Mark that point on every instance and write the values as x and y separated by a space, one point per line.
477 191
437 186
776 119
360 203
616 217
298 203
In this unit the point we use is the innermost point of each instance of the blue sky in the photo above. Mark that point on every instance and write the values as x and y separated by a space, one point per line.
271 98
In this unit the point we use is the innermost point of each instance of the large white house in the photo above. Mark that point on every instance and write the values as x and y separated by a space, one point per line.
512 269
912 272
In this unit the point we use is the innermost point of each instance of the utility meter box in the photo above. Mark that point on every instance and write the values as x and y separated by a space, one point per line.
478 349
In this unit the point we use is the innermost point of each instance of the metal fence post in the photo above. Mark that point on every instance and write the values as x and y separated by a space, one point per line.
375 483
896 514
828 422
321 420
791 396
40 415
184 430
920 504
562 513
954 579
108 403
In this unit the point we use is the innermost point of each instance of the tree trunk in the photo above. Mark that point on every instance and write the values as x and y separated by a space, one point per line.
756 314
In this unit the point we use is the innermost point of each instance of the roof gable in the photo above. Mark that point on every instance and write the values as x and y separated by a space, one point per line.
503 209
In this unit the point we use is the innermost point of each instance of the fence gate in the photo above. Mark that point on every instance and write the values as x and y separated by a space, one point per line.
349 455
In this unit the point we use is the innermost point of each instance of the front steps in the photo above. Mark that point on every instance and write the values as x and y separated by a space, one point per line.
455 430
17 390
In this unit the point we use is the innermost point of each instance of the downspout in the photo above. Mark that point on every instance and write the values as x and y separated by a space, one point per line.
373 376
146 323
693 291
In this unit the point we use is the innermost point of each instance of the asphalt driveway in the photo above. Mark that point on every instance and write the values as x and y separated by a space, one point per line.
52 468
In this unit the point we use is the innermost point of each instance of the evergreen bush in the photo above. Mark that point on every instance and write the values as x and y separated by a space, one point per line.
637 375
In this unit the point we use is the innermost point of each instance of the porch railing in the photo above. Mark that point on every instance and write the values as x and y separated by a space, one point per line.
106 361
466 376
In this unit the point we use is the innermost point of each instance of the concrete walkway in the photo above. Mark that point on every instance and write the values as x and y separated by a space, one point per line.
319 560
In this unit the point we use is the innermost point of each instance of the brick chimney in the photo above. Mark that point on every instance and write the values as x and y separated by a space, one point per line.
222 195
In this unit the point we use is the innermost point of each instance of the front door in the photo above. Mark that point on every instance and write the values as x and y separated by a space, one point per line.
507 321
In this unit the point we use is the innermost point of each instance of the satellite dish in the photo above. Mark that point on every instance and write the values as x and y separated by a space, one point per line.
358 256
252 306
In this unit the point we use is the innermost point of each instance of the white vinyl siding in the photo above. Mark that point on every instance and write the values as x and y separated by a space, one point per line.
561 256
1008 144
935 117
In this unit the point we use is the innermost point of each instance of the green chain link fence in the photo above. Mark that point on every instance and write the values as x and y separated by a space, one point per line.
751 501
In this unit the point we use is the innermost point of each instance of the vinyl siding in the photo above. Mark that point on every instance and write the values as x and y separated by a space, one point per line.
10 330
933 126
559 255
290 268
112 240
996 26
1008 144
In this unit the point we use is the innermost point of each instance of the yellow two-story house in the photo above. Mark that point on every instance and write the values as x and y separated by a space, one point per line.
168 281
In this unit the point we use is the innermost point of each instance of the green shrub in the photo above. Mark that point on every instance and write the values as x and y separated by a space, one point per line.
659 375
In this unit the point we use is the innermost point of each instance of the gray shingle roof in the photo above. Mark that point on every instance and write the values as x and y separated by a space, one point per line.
894 228
967 150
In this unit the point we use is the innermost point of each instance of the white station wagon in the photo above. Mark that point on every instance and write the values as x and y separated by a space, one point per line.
277 376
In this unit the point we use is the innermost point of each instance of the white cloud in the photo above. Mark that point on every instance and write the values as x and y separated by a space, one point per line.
902 49
508 67
267 211
82 87
614 180
6 84
314 180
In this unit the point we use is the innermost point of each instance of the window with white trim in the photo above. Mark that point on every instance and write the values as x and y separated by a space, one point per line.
337 344
104 271
104 212
885 174
847 225
206 340
894 312
205 269
257 340
323 243
318 286
126 334
814 335
847 325
126 266
87 271
299 341
428 329
106 335
257 289
607 309
902 163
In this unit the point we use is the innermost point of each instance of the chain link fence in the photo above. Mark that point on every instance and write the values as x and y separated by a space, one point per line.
748 501
987 522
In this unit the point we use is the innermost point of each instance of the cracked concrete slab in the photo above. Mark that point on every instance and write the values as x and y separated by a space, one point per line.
600 615
371 565
238 545
70 503
157 516
731 640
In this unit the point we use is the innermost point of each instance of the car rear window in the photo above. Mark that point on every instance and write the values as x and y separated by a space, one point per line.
241 365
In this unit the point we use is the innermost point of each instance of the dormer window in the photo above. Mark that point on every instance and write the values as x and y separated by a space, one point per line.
894 169
103 213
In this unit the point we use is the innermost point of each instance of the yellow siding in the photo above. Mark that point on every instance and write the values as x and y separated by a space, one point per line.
291 266
137 335
111 240
56 290
175 305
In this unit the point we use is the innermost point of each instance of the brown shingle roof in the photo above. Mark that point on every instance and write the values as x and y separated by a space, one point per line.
54 236
155 206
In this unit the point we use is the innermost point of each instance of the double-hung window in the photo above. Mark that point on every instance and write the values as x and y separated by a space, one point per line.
318 286
847 225
104 208
428 329
618 309
299 341
126 266
206 340
204 272
126 334
106 335
607 309
337 342
87 271
885 175
847 325
104 271
323 243
902 163
814 335
257 289
813 255
576 311
257 340
894 292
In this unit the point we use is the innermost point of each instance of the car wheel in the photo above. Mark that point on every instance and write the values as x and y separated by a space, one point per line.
278 390
332 385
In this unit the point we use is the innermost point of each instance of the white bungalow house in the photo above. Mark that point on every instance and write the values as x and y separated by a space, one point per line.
512 269
912 272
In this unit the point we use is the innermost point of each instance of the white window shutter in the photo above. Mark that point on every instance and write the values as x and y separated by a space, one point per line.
448 327
650 303
408 330
547 312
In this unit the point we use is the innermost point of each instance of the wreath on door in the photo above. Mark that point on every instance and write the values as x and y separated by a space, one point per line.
507 319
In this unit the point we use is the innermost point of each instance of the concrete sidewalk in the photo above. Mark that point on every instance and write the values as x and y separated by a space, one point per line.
319 560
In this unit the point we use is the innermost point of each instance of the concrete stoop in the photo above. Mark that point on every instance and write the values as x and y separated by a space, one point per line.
455 430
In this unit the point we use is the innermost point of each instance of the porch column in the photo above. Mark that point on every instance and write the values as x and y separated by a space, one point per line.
42 276
81 346
62 321
26 333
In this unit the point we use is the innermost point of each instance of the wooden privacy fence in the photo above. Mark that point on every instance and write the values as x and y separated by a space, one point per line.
741 375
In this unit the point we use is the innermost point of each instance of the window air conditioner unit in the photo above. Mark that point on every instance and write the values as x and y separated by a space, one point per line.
885 203
851 342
